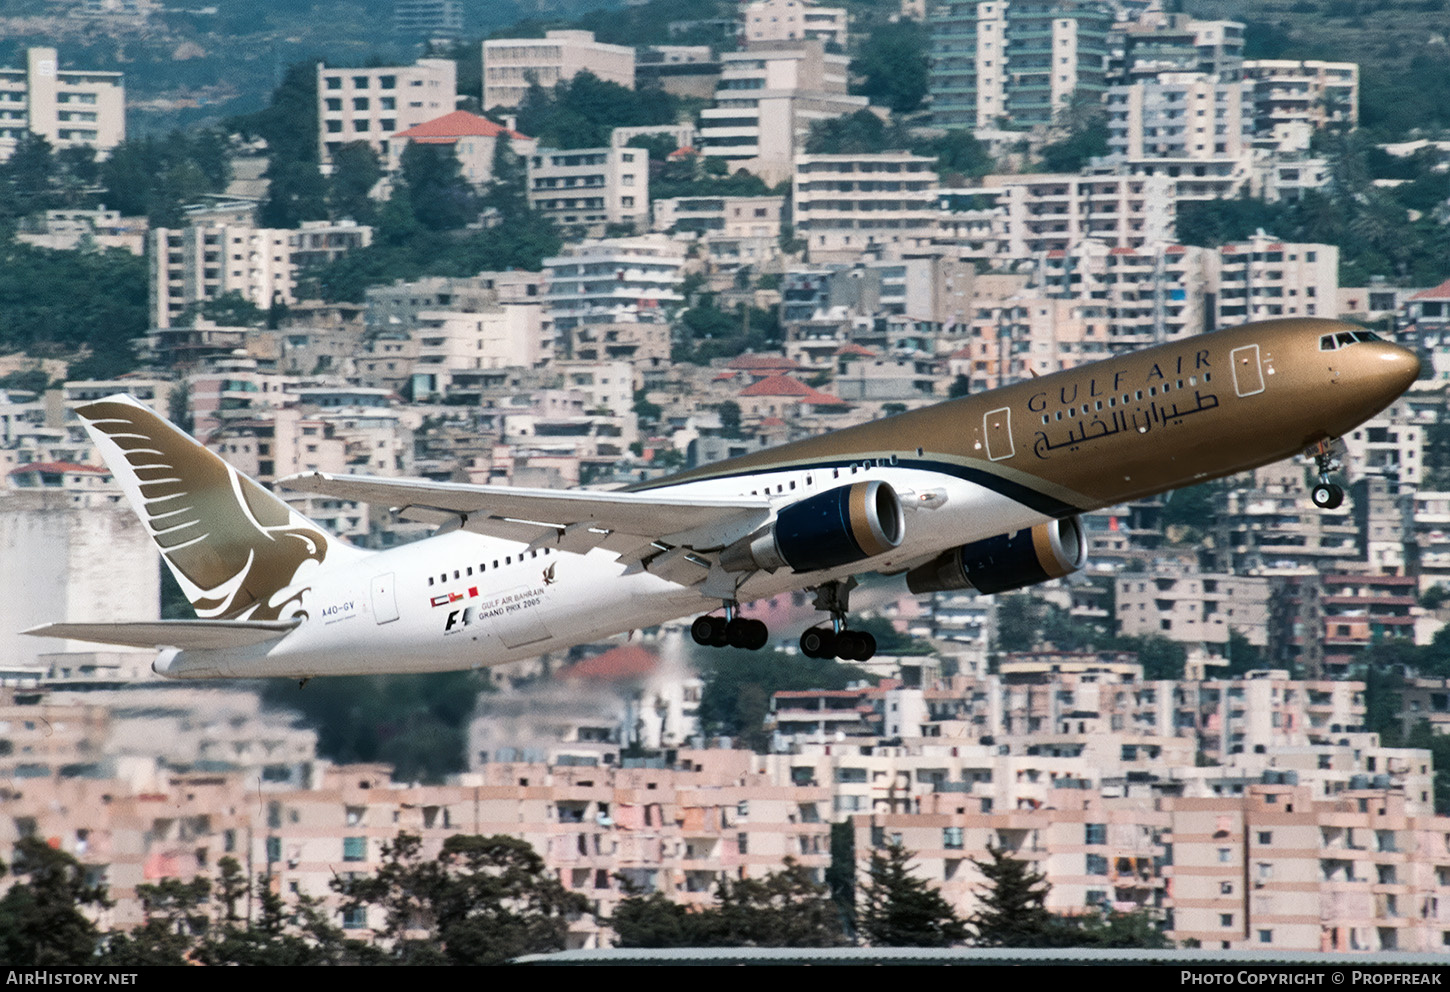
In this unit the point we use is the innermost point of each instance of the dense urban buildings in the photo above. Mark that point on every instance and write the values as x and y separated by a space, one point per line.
1229 721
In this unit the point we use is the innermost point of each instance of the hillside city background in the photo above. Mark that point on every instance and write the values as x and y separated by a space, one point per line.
538 244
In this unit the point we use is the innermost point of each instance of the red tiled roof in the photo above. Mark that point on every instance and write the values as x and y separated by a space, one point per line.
1440 292
1175 250
682 152
771 422
784 385
459 124
621 664
855 349
57 467
1122 251
1057 253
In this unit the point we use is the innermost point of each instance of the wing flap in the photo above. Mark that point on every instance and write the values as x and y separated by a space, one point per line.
184 634
504 511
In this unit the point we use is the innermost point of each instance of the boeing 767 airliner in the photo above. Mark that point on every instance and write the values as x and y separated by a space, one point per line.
981 492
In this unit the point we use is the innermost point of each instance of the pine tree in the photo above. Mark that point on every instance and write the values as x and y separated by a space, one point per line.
899 910
1013 902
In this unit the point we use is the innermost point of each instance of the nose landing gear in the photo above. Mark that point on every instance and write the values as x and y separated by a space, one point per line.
836 641
1326 495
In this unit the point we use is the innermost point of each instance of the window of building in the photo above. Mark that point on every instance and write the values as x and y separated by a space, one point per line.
354 848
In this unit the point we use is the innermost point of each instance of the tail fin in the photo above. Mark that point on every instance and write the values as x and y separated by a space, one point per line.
238 551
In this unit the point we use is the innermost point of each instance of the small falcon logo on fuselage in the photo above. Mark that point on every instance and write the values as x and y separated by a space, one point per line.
549 574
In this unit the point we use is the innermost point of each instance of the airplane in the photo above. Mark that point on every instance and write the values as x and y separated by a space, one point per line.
982 492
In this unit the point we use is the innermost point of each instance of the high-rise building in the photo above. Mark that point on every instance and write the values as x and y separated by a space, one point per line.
68 108
1020 62
847 204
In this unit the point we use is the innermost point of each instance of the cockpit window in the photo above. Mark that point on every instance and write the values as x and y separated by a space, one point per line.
1333 342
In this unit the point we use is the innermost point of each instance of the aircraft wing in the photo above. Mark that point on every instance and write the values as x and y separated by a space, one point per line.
184 634
671 536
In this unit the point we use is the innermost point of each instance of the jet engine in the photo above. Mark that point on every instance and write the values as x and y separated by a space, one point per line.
1008 561
830 529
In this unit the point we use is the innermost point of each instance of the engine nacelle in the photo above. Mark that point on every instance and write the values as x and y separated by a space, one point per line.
830 529
1008 561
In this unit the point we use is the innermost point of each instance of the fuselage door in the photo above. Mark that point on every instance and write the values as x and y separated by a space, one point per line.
1248 374
385 599
997 428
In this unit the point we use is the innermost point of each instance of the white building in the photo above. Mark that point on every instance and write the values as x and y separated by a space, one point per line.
489 337
203 262
512 65
621 280
1188 126
68 108
472 139
766 101
848 204
588 188
1289 93
793 20
1043 212
373 105
1264 278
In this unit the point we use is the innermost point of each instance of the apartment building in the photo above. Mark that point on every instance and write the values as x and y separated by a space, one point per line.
1046 212
1265 278
280 443
587 189
69 108
1015 62
720 216
512 65
1158 43
1425 326
848 205
1292 93
374 104
428 19
1192 127
793 20
1193 607
620 280
767 98
1389 446
1149 295
192 265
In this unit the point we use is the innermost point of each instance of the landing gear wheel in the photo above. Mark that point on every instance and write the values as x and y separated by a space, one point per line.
848 645
719 632
739 633
868 647
818 642
702 630
1327 496
758 635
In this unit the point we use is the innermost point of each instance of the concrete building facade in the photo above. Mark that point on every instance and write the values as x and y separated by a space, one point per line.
374 104
512 65
68 108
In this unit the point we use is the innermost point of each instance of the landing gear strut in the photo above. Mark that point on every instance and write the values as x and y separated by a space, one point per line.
1326 495
731 629
836 641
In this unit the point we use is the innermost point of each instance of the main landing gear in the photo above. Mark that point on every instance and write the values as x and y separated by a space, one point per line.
836 641
730 630
1326 495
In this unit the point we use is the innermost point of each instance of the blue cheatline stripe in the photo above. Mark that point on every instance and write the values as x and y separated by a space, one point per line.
1016 491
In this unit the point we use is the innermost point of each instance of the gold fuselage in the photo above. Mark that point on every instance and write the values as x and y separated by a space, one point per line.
1127 427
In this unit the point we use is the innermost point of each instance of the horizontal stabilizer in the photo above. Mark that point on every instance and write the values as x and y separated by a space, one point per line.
184 634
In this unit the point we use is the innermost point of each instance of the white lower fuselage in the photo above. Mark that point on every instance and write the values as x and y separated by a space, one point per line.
497 602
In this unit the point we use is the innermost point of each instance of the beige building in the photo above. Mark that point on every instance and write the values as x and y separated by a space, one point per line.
68 108
1191 127
192 265
472 139
1290 93
373 105
767 98
586 189
1193 607
720 216
793 20
847 205
487 337
1043 212
512 65
1264 278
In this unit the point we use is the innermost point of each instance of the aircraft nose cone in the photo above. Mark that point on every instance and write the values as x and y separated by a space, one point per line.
1396 367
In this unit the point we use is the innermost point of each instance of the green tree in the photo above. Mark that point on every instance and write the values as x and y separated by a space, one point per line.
859 133
482 900
892 62
1013 902
737 692
897 909
961 386
440 198
355 171
42 923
